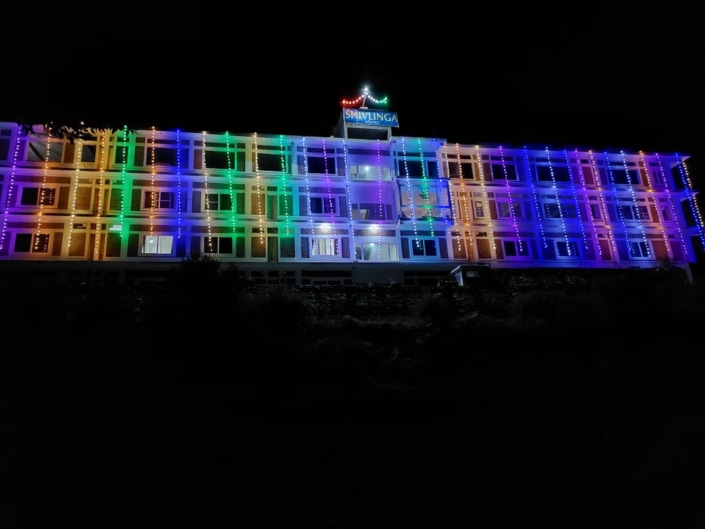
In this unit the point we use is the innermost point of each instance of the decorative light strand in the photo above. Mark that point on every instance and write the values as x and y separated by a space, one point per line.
101 181
260 194
575 199
362 98
205 191
616 199
287 216
153 172
581 175
178 178
637 212
8 202
485 198
349 196
511 204
603 204
657 205
685 177
42 194
539 213
79 153
230 179
410 195
330 196
664 177
424 176
379 196
445 196
464 199
308 194
558 202
123 173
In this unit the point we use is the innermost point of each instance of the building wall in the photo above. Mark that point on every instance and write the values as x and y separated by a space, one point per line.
297 203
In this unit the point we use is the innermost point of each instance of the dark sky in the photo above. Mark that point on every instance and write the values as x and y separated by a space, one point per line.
601 77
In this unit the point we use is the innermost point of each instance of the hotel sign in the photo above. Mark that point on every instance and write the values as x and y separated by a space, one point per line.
379 118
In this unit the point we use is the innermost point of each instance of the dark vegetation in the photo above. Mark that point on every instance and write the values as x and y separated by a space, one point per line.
200 404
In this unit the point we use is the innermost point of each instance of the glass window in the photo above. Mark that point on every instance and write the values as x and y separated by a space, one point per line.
157 244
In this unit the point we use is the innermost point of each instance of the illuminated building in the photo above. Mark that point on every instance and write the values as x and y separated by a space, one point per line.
365 205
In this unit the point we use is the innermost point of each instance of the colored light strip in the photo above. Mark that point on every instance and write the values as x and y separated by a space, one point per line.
445 187
575 197
79 153
230 179
8 202
153 172
410 195
330 196
676 220
485 198
379 196
464 198
424 176
178 178
101 181
362 98
539 213
558 202
636 204
511 204
685 177
205 191
260 194
586 197
123 173
657 205
308 194
616 198
42 193
287 216
349 196
603 204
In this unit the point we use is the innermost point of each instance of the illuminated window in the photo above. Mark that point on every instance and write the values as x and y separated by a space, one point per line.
324 246
157 244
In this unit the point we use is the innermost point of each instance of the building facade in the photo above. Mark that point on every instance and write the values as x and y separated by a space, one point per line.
362 206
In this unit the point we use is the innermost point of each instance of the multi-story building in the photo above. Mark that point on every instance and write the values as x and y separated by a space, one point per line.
364 205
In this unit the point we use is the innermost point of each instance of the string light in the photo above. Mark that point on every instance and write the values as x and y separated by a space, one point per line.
539 213
446 187
657 206
8 202
379 196
464 199
575 199
79 153
603 204
287 217
620 213
42 194
511 204
230 179
101 180
178 177
349 195
427 203
637 212
153 172
123 173
362 98
308 192
260 194
688 185
410 195
485 198
558 202
207 201
330 196
664 177
581 176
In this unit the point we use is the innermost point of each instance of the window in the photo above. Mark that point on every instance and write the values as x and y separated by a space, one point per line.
515 248
479 210
567 249
595 211
159 199
504 211
157 244
34 196
639 249
218 245
423 247
287 247
23 243
372 251
324 246
322 205
565 210
634 212
218 202
368 211
37 151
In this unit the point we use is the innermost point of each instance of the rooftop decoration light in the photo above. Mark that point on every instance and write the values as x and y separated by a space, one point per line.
361 100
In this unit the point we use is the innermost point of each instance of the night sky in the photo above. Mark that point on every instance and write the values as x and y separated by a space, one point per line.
602 77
